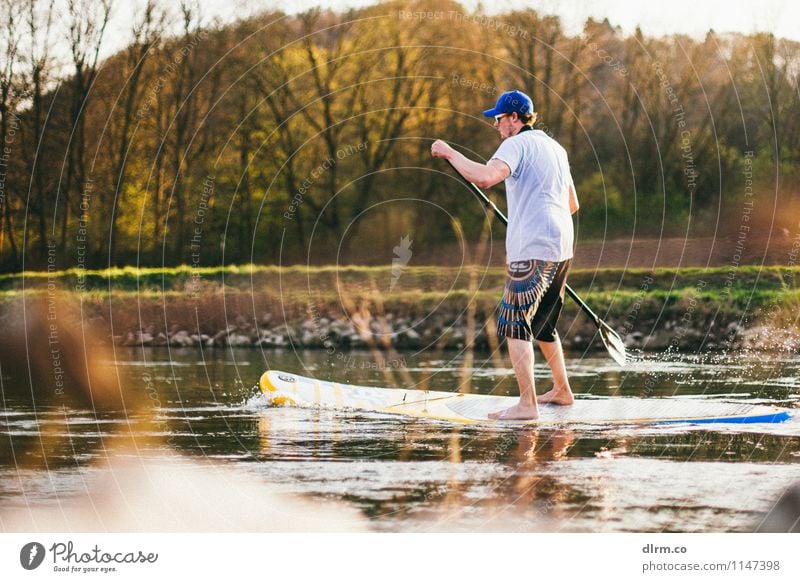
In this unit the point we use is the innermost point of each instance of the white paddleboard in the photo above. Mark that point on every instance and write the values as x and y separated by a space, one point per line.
289 389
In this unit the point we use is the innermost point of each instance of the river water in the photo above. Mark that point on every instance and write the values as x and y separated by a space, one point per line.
405 474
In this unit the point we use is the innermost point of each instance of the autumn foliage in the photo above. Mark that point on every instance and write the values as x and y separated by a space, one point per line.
305 138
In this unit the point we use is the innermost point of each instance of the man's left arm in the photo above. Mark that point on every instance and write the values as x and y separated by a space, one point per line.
574 205
482 175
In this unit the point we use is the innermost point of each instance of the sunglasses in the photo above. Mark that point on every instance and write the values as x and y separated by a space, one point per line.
497 118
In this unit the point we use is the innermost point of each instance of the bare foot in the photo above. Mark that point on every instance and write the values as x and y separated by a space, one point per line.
516 412
562 397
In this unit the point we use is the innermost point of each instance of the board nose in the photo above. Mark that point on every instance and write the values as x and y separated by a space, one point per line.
265 383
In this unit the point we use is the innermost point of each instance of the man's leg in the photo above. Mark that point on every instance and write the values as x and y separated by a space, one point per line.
561 392
521 352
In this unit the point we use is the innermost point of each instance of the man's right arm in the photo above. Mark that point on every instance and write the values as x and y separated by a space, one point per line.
482 175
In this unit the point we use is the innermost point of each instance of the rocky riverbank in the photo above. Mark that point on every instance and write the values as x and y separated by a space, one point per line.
683 325
341 308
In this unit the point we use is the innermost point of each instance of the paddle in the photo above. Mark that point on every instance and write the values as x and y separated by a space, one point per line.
611 339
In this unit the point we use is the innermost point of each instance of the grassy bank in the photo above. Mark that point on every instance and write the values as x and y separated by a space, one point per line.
435 278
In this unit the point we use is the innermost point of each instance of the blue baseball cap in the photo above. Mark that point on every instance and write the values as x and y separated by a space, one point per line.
511 102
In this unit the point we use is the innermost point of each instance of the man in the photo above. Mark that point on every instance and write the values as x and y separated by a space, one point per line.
541 200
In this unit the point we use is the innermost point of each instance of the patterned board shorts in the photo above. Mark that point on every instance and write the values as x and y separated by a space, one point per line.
532 300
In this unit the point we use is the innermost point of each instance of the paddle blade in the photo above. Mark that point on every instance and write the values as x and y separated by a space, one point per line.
612 341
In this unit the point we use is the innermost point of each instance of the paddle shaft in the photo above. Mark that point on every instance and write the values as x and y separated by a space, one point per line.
498 213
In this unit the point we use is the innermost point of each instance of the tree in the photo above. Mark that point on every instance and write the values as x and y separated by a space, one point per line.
37 168
122 118
11 91
87 21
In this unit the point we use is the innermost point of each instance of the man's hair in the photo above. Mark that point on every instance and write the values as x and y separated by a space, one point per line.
528 118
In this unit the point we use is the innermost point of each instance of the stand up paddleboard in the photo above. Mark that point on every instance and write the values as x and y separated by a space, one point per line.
289 389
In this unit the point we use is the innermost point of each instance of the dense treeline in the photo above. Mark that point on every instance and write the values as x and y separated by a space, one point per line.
286 138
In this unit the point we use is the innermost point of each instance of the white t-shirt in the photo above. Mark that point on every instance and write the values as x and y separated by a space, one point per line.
539 220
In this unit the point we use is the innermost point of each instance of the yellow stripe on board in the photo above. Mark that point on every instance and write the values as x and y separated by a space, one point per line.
266 384
316 392
426 400
460 419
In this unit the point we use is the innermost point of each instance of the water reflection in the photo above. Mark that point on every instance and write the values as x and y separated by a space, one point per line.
412 475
